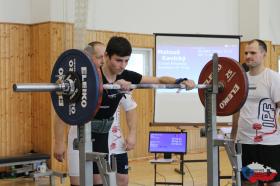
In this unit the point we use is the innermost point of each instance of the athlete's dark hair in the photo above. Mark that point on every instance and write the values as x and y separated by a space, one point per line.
119 46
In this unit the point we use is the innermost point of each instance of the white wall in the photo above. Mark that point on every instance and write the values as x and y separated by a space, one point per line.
40 11
260 19
250 18
15 11
52 10
269 19
62 10
36 11
176 16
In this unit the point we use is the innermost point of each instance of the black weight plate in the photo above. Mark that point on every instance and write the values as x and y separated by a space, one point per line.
84 108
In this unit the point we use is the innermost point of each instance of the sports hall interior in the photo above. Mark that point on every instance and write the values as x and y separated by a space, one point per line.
34 33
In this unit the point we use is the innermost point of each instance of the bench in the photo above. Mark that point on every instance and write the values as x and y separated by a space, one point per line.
30 158
29 163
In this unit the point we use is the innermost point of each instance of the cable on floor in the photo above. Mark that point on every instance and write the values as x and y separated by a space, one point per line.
189 173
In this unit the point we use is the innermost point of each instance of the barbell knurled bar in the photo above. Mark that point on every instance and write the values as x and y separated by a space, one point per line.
62 87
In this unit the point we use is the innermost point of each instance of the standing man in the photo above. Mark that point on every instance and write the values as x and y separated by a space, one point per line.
256 125
117 55
116 144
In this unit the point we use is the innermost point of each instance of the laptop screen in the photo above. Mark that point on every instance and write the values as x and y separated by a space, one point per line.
168 142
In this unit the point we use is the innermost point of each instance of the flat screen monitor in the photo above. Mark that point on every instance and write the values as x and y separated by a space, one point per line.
168 142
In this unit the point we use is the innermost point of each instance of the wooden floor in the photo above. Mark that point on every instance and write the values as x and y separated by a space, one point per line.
141 173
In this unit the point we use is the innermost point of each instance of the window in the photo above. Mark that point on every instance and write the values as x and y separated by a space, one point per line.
141 61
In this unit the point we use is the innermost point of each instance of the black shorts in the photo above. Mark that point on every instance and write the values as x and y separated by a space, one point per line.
122 164
100 144
267 155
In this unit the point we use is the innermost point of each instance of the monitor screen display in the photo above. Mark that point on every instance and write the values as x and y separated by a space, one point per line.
184 56
168 142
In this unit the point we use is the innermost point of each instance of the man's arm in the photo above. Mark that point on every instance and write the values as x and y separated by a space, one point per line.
129 105
131 120
235 118
59 147
278 105
278 112
166 80
125 85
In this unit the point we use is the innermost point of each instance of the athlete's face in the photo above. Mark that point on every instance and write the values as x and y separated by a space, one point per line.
254 55
117 63
98 56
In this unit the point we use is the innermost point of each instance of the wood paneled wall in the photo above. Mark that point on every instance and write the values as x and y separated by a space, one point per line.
61 40
15 109
40 72
27 54
275 56
49 40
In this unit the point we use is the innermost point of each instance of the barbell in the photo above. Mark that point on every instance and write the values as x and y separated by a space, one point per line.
76 86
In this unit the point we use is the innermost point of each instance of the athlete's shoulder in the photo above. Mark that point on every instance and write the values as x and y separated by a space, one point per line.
272 73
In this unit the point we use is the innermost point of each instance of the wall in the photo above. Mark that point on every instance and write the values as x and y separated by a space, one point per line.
132 16
249 22
27 54
13 11
15 109
179 16
260 19
52 10
48 41
275 56
62 10
36 11
269 20
250 18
